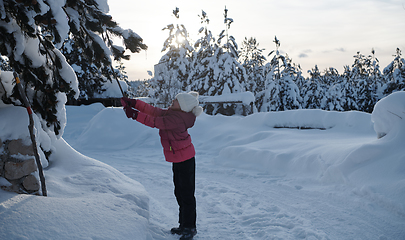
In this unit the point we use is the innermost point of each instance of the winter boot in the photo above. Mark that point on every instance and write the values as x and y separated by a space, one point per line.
177 230
188 233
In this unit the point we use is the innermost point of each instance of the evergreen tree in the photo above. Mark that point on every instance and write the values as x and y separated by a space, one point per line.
331 83
142 87
281 92
91 80
269 99
172 72
229 76
312 91
230 44
43 69
394 75
121 74
215 67
349 91
91 48
375 76
31 33
252 61
365 74
202 59
289 76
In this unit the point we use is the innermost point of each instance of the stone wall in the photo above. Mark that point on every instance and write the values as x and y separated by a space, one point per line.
17 165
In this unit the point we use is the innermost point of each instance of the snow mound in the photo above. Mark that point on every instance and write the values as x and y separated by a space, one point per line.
86 199
388 113
334 148
253 142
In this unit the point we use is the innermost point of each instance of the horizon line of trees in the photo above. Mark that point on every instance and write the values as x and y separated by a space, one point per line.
215 66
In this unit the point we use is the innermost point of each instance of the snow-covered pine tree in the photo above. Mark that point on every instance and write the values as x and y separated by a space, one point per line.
312 92
31 33
216 69
202 59
43 69
90 44
331 84
121 74
375 76
90 78
269 98
365 74
229 76
142 87
291 97
281 92
349 91
172 71
252 59
394 75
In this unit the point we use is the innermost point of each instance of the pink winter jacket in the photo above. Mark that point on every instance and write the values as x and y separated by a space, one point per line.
172 125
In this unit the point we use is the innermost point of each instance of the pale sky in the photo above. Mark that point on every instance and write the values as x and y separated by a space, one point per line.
327 33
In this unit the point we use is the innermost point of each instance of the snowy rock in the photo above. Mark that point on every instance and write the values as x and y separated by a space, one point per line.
18 170
30 183
16 165
388 113
16 147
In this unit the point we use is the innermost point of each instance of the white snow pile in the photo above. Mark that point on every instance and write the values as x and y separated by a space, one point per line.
389 114
86 199
302 174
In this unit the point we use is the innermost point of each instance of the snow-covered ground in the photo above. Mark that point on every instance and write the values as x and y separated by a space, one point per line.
255 179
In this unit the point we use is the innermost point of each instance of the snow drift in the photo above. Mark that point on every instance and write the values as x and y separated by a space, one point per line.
312 149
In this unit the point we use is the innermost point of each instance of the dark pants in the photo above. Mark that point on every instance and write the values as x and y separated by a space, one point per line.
184 188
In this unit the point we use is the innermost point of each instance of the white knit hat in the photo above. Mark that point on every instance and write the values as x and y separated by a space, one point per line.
189 102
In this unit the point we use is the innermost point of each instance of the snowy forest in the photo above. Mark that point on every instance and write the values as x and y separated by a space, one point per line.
70 49
217 65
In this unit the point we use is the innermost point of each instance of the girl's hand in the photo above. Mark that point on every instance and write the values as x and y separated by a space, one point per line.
130 112
127 102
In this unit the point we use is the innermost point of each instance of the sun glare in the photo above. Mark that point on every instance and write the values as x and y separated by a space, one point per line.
180 39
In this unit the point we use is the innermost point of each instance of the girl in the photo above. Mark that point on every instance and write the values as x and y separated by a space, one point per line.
177 148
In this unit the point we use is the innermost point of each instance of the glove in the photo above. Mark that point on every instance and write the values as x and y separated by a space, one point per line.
127 102
130 112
